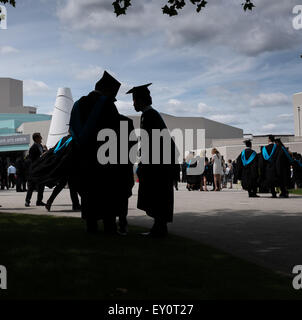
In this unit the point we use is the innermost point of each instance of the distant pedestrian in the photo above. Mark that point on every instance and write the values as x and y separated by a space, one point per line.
230 173
11 174
184 171
206 176
35 152
217 168
21 175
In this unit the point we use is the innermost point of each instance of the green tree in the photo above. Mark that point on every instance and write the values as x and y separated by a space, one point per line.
173 6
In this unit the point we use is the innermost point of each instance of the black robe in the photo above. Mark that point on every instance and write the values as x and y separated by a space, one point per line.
268 168
283 168
52 166
103 187
156 193
248 174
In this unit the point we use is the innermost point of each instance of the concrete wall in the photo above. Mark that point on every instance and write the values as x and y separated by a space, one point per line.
32 127
297 102
213 129
11 93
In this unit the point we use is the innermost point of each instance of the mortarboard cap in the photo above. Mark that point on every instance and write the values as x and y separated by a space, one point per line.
248 142
271 138
140 90
108 85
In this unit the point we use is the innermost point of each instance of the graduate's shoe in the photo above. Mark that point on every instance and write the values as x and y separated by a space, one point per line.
48 206
40 204
27 204
274 196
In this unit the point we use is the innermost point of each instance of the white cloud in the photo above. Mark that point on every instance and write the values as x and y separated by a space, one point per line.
125 107
269 126
33 87
226 118
90 73
286 116
90 44
268 28
174 102
270 100
7 50
203 108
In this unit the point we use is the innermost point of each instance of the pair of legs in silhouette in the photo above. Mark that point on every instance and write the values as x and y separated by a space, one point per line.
73 194
118 209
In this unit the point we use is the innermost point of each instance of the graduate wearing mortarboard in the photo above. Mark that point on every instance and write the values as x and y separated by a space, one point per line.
99 183
247 169
284 161
156 193
268 165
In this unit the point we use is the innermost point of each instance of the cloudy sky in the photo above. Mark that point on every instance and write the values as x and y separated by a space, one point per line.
225 64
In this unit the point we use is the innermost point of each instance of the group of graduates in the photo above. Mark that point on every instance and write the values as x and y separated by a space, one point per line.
105 192
272 168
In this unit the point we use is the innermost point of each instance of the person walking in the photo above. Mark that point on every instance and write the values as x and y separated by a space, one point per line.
35 152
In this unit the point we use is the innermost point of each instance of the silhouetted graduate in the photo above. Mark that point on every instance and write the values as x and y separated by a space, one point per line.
268 165
284 161
155 194
247 169
104 189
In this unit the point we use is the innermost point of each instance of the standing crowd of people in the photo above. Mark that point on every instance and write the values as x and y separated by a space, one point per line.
274 168
217 173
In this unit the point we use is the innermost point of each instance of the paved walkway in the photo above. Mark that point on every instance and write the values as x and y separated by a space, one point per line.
266 231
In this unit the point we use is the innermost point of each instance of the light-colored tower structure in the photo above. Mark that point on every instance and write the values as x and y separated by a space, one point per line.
61 115
297 100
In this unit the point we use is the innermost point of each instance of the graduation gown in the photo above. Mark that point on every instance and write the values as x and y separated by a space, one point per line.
156 193
54 164
268 168
283 164
102 187
248 174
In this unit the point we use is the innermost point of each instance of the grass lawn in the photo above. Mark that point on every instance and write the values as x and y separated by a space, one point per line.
48 257
298 191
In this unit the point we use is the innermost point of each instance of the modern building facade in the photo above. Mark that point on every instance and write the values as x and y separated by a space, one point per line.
11 93
15 134
297 101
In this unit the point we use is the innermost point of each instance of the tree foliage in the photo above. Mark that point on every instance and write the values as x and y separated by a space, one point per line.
12 2
173 6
